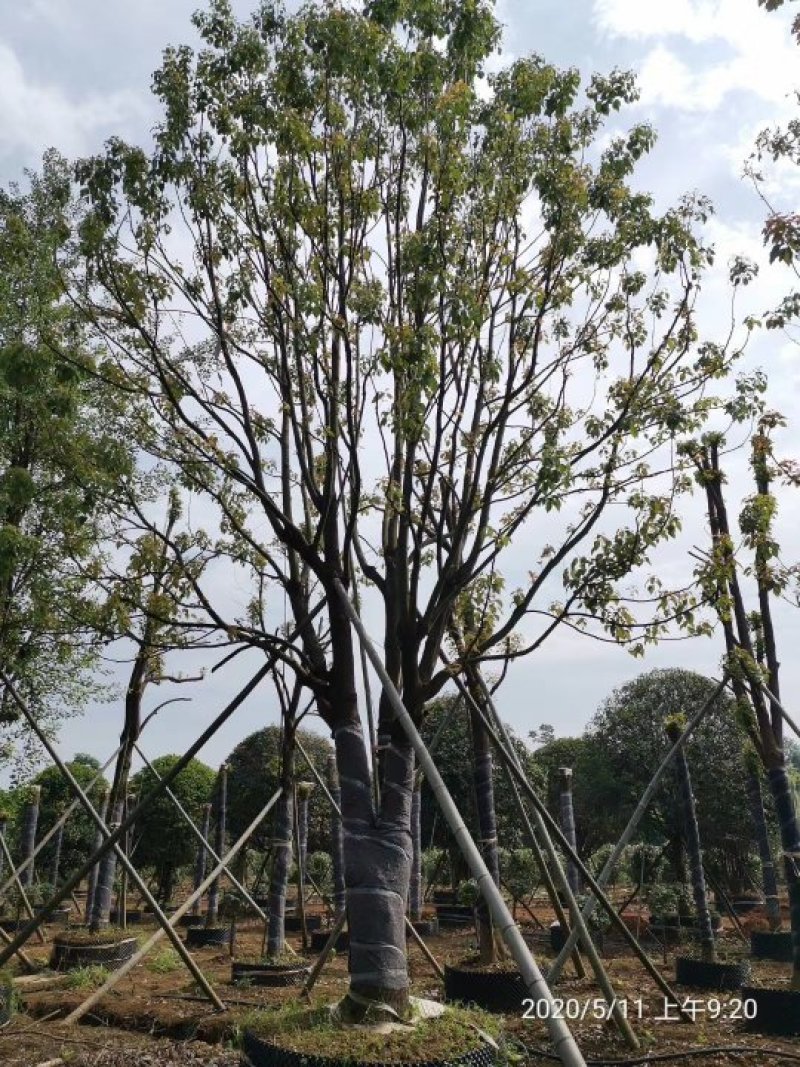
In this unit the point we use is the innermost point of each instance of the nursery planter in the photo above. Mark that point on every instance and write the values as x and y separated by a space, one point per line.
718 976
768 945
319 940
205 936
293 925
424 927
266 974
744 905
134 916
10 926
444 896
454 914
558 938
775 1011
191 920
70 951
491 990
261 1052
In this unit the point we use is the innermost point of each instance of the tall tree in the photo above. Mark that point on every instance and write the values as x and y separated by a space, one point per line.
401 292
62 457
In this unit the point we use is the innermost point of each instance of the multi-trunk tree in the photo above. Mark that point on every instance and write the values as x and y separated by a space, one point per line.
384 312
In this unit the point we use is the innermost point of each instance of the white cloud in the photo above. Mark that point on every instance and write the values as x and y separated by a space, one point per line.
37 115
761 58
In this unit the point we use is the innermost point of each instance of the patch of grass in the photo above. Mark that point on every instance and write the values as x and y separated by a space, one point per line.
87 978
164 962
317 1031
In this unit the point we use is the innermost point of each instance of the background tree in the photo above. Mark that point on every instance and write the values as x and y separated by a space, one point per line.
628 732
402 292
62 456
254 775
56 796
162 841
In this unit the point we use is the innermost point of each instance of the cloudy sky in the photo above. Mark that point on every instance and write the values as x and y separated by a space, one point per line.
712 74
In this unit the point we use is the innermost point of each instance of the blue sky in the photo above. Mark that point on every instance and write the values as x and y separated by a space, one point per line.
712 74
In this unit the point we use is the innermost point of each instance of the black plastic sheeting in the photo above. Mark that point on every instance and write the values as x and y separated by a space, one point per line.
777 1011
490 990
111 954
203 936
262 974
771 946
701 974
262 1053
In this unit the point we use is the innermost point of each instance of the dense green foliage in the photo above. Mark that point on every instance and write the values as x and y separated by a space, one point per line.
164 844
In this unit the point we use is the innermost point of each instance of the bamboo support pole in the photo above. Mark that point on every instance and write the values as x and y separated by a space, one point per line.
75 879
506 753
611 863
560 1034
154 938
23 896
137 880
322 959
198 834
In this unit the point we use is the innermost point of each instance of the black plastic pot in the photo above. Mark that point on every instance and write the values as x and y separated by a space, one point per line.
319 940
444 896
263 1053
454 914
775 1011
293 925
204 936
191 920
718 976
744 905
558 938
265 974
769 945
491 990
134 916
425 927
68 954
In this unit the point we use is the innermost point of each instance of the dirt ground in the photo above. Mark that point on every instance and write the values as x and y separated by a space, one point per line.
156 1016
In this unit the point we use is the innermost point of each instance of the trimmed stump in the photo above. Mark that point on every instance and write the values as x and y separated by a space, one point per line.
70 951
771 945
207 936
492 990
269 974
700 974
775 1011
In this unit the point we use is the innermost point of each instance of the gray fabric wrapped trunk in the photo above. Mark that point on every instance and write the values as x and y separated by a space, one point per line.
337 840
279 879
91 887
694 850
212 910
101 905
30 821
55 870
415 889
769 879
568 824
377 850
781 789
200 857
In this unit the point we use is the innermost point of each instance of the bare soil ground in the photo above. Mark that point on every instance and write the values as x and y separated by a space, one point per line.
156 1017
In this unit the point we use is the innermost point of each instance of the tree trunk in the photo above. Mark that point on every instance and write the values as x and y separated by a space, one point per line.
487 825
377 851
212 909
55 870
91 886
30 821
282 834
692 831
768 876
415 889
337 840
101 905
568 824
790 840
3 825
303 797
200 857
